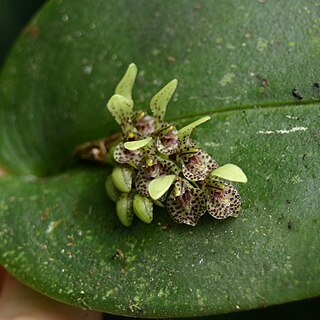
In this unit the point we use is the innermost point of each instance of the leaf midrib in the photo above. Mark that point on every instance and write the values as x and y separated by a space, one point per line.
257 106
213 111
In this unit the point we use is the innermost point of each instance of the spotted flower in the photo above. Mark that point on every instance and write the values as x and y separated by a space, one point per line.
223 201
157 164
186 203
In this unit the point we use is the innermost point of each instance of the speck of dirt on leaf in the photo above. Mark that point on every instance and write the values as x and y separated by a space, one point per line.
53 225
165 226
316 85
45 214
65 18
33 30
87 70
262 44
227 79
119 255
2 172
297 94
218 40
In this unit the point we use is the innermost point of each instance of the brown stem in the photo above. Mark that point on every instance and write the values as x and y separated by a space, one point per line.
98 150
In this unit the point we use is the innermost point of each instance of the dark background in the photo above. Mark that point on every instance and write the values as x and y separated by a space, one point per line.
14 15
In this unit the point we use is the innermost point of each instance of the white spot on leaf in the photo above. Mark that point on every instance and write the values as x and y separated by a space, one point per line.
282 131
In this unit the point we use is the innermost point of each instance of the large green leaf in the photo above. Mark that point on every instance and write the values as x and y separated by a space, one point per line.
59 233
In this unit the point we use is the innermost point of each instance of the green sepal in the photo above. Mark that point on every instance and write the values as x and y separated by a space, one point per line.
124 209
112 192
158 203
122 110
159 186
143 208
135 145
185 132
124 87
122 178
160 101
230 172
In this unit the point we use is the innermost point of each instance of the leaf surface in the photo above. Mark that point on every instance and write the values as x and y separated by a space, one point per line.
237 62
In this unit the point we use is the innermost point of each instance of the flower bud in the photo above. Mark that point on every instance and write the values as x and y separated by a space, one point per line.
143 208
124 209
122 178
111 190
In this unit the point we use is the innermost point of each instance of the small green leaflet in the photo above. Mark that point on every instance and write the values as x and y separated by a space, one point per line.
159 186
230 172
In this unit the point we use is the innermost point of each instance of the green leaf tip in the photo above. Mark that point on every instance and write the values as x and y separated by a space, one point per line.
124 87
185 132
230 172
159 186
160 101
134 145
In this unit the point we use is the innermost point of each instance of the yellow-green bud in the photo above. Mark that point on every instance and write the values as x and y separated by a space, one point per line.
143 208
124 209
122 178
111 190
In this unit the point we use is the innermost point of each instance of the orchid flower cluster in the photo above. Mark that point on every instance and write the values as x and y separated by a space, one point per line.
157 164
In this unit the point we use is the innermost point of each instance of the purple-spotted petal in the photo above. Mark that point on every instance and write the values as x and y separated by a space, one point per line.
196 164
167 139
147 174
131 157
142 183
159 167
143 123
223 201
186 204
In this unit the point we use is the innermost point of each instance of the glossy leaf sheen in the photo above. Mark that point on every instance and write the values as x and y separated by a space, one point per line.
236 61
